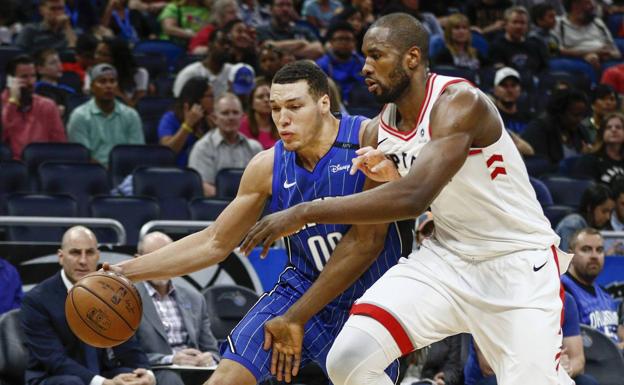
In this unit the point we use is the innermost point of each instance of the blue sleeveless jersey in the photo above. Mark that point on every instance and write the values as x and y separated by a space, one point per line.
310 248
598 311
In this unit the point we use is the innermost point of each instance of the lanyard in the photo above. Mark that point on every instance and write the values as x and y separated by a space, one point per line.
125 26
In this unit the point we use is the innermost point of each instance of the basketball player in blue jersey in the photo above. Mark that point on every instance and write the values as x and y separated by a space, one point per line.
311 162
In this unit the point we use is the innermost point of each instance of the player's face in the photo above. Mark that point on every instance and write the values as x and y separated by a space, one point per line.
79 256
588 258
383 69
296 114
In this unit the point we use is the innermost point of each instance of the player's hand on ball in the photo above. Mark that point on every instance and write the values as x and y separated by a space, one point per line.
114 268
271 228
285 338
374 164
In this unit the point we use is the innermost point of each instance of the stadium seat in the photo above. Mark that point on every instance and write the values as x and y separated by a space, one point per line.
206 209
616 290
151 109
227 181
13 350
5 152
576 73
542 192
71 79
170 50
226 305
80 180
36 153
566 191
172 187
568 165
603 359
74 101
124 158
436 45
555 213
8 52
614 22
41 205
154 62
133 212
480 43
449 70
13 178
538 166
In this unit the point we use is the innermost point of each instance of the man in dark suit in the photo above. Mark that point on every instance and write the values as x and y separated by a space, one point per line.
56 355
175 328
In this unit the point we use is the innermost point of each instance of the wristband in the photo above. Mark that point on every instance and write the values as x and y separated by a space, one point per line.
14 101
186 128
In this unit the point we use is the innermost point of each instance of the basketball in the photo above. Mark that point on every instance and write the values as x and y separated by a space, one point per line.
103 309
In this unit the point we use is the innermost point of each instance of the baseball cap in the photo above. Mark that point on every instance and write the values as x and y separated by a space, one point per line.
242 78
423 219
100 70
504 73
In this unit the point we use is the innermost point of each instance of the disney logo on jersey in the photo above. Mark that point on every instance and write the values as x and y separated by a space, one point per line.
339 167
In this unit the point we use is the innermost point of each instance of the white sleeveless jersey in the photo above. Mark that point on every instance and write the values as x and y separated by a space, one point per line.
489 207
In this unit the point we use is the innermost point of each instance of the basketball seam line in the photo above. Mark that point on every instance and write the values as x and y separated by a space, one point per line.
109 306
131 289
87 323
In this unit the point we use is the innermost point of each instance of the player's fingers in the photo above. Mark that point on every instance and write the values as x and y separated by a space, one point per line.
250 240
280 366
363 150
274 358
268 339
296 363
265 249
288 367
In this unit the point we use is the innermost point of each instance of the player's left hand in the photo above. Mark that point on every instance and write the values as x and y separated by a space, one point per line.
374 164
285 337
271 228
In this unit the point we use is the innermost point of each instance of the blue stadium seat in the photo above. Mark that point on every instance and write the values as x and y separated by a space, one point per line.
13 178
36 153
448 70
151 109
480 43
124 158
5 152
614 22
133 212
555 213
170 50
207 209
542 192
566 191
538 166
227 181
13 350
603 359
226 306
436 45
154 62
173 187
40 205
80 180
568 165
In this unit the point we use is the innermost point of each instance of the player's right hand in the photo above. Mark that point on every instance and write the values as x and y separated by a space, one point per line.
114 268
285 337
374 164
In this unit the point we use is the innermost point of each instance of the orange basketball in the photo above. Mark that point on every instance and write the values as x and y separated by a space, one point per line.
103 309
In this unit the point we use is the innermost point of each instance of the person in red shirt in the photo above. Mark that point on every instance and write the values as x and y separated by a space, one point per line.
27 117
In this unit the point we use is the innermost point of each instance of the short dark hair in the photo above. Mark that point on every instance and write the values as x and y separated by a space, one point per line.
17 60
560 100
304 70
602 90
42 55
406 31
586 230
338 26
539 10
86 44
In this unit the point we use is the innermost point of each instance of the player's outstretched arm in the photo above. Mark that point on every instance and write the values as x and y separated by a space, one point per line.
462 117
214 243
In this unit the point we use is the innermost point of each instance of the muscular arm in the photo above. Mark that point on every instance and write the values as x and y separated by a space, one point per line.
213 244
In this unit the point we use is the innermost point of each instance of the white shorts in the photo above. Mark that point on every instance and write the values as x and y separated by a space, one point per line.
512 305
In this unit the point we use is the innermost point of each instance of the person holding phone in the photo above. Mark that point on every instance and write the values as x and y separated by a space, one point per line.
27 117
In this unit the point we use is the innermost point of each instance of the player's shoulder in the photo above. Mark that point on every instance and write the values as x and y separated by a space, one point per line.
368 131
262 161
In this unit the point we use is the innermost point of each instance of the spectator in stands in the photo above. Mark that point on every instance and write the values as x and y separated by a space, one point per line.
83 15
10 287
606 161
56 355
102 123
243 40
85 56
214 67
54 30
254 13
544 19
270 60
282 32
341 62
149 9
257 123
458 50
604 101
486 16
596 307
189 120
584 36
9 24
182 315
124 22
222 12
595 210
319 13
26 116
132 81
617 217
556 133
507 91
572 359
354 17
224 147
50 70
365 7
412 7
513 49
556 5
181 20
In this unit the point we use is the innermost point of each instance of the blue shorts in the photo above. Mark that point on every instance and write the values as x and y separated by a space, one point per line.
244 343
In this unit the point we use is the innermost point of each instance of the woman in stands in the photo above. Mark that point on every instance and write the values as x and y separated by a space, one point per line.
607 161
189 119
596 206
243 40
257 123
458 50
132 80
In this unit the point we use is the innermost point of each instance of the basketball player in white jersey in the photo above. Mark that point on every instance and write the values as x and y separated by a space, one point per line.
492 267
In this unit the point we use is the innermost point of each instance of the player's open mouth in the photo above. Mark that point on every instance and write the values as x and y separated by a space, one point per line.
371 84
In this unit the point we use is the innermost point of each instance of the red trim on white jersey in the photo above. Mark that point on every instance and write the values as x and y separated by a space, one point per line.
388 321
494 158
476 151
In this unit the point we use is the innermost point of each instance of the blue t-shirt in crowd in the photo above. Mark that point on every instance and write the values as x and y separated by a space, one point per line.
169 124
10 287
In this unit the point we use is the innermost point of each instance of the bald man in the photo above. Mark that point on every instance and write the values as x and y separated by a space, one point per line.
187 339
56 355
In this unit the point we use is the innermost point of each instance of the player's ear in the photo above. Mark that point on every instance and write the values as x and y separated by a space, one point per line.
324 103
414 57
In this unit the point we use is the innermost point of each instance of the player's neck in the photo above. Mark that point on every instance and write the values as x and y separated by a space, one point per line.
309 155
410 103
